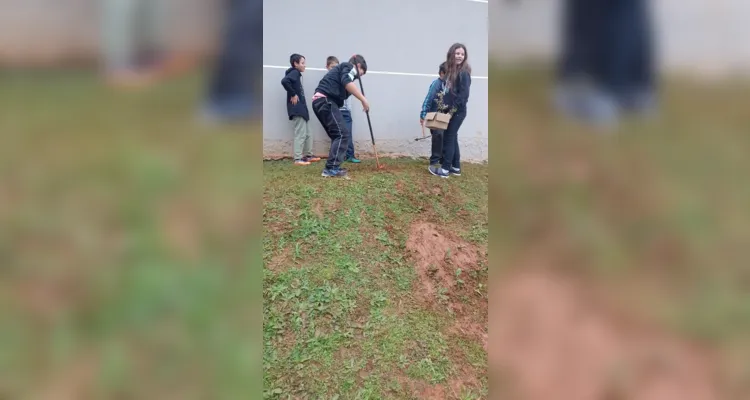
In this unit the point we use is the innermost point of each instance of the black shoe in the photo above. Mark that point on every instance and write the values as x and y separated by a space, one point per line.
334 173
437 171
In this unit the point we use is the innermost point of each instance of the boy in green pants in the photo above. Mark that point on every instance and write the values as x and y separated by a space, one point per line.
296 107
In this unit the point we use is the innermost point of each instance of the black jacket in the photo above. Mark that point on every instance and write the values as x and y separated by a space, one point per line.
458 94
292 83
333 83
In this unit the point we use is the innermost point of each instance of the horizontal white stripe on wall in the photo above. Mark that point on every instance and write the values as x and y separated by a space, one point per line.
373 72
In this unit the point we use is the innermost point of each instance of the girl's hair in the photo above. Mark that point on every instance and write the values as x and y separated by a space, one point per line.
295 58
452 71
331 60
359 59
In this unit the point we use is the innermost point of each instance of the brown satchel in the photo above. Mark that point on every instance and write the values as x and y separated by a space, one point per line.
437 120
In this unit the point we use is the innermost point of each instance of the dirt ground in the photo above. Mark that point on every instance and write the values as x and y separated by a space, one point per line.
446 268
550 340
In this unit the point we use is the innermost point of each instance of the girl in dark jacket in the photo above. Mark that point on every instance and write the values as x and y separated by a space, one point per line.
296 107
458 85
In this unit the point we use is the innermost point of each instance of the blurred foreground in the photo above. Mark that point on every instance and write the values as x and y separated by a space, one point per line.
606 65
129 262
621 259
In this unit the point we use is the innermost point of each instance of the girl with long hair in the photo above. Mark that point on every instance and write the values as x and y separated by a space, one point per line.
458 85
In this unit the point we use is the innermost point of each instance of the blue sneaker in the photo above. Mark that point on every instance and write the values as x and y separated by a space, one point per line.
585 102
437 171
455 171
599 108
334 173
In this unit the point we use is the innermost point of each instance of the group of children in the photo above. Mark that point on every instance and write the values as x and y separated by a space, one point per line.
331 105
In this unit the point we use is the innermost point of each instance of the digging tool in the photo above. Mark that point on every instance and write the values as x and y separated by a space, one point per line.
423 135
423 138
369 124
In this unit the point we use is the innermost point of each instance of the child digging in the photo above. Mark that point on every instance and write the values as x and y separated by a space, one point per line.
296 107
335 87
430 104
346 112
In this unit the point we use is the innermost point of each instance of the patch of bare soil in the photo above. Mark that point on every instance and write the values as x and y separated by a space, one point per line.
317 209
423 390
280 261
45 298
75 381
399 186
445 266
438 257
451 390
550 340
468 327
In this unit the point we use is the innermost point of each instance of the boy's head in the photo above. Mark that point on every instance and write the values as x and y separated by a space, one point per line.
359 62
441 71
331 62
298 62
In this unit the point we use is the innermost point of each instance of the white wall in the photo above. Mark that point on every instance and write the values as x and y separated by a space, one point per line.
396 38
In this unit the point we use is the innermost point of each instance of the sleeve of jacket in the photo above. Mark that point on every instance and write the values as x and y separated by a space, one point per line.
347 74
431 92
462 97
288 82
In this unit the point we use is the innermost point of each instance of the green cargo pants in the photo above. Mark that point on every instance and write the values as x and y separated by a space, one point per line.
302 139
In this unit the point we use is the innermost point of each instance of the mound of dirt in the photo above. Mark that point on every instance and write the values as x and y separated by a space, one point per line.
438 257
446 267
444 264
549 341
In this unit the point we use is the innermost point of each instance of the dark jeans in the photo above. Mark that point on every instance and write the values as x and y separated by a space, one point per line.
610 42
330 117
236 86
630 65
451 152
348 120
436 158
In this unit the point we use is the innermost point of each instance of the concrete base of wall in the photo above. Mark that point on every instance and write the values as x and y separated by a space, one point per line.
474 150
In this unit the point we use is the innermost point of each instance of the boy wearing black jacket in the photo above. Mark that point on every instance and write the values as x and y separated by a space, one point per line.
332 91
296 107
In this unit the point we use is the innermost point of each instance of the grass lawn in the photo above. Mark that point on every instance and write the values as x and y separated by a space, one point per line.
375 287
